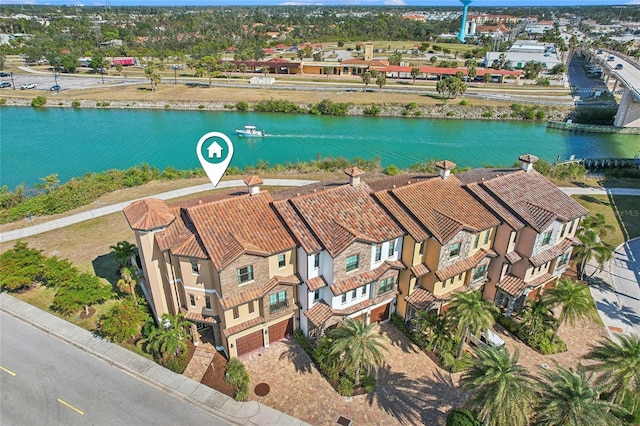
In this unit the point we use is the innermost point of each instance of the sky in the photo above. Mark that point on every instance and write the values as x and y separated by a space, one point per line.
475 3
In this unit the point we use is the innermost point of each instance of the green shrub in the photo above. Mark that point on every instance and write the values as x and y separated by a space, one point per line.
38 101
242 106
488 113
417 113
177 364
345 388
60 103
75 104
20 267
277 105
543 82
123 321
327 107
461 417
201 106
450 114
540 115
464 102
392 170
372 110
237 376
368 382
167 106
3 101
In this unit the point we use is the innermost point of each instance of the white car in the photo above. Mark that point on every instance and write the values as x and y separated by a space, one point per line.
28 86
488 337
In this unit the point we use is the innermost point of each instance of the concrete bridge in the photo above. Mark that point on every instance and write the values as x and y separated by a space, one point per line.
605 163
625 73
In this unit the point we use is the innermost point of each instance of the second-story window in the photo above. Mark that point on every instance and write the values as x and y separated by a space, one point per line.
245 274
546 238
343 299
354 294
562 260
455 250
476 241
353 262
282 261
194 267
480 272
386 285
487 235
316 260
363 290
564 228
378 256
207 302
278 301
236 313
316 295
192 300
392 249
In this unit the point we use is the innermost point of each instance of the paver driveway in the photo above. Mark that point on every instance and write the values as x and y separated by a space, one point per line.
410 389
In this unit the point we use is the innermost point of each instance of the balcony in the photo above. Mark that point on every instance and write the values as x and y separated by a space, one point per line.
275 307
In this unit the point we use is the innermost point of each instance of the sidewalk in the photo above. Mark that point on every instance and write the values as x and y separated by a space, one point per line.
103 211
177 385
616 290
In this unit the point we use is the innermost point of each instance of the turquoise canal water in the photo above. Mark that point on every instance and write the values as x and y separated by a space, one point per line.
70 142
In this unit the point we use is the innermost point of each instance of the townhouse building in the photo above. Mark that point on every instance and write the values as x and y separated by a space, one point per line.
226 261
448 242
537 233
348 253
253 266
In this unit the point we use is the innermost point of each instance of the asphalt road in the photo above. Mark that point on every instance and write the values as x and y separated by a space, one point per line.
44 381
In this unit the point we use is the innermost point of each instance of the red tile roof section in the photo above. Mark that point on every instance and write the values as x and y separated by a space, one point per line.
555 251
316 283
319 313
243 326
464 264
339 216
195 316
148 214
257 291
237 225
296 225
363 278
419 270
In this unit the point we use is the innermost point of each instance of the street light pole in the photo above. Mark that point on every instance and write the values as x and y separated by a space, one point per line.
175 74
13 83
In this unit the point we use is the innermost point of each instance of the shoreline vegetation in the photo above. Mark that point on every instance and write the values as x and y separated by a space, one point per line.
50 196
452 109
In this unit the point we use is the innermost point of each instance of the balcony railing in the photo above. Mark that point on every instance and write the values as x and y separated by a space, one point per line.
275 307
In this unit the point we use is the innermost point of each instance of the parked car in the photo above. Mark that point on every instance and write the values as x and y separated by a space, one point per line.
488 337
28 86
56 88
5 84
612 58
619 66
4 74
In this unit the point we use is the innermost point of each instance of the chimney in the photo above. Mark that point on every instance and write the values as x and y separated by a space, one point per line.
253 183
528 160
354 174
445 167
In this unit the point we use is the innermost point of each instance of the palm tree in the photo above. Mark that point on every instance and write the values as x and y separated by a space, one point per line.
501 390
537 317
598 223
169 337
620 363
415 72
381 80
358 346
366 79
569 398
123 251
575 300
468 313
434 329
591 246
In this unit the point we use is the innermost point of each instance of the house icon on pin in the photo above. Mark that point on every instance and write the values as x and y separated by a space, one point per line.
214 150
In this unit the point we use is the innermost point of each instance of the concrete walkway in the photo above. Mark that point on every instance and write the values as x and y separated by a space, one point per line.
616 290
181 387
103 211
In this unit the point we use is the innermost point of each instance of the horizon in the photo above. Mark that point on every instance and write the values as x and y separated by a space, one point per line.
320 3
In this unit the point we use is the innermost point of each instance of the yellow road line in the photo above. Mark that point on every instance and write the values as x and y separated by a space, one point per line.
7 371
66 404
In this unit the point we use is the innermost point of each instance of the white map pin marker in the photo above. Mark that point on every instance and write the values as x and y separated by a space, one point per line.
217 157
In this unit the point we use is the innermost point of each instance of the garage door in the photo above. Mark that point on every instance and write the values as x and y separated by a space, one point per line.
249 343
380 314
281 330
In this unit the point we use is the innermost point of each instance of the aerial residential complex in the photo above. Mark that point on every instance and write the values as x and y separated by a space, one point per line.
254 266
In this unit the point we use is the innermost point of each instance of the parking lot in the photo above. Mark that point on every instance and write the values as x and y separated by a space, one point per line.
45 80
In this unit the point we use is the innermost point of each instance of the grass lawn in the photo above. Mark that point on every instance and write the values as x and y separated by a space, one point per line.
623 212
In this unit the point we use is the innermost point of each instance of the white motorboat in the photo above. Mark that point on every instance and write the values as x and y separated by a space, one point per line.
250 132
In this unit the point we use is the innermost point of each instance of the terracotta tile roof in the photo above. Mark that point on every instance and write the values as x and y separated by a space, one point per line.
341 215
534 199
296 225
355 281
482 174
421 298
195 316
408 222
316 283
464 264
514 286
446 165
441 206
529 158
180 237
243 326
244 224
555 251
542 279
374 63
353 172
496 206
353 308
257 291
512 257
319 313
148 214
392 182
420 270
252 180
